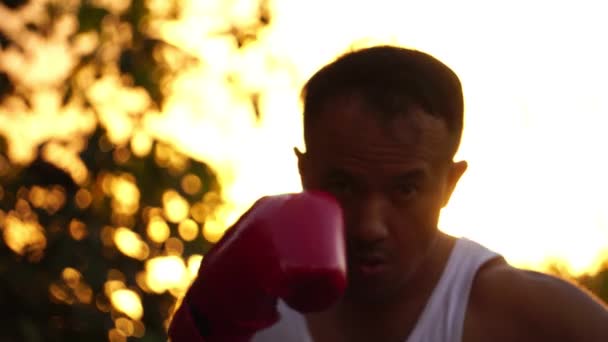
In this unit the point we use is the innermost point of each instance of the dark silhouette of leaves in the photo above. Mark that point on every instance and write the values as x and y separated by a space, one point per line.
90 17
14 4
6 85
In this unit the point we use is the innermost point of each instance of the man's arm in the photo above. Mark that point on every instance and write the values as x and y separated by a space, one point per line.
537 307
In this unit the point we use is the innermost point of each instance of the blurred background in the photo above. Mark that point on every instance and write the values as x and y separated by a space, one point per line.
134 132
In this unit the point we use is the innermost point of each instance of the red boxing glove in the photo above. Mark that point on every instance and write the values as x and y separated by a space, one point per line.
288 246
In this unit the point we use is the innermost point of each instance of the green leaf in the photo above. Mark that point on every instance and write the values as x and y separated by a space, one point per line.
90 17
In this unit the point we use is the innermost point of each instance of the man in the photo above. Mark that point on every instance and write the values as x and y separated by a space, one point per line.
381 127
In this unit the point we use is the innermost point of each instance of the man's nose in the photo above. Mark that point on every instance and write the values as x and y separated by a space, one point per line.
370 222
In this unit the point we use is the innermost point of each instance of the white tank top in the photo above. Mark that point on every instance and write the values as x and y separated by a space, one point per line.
442 319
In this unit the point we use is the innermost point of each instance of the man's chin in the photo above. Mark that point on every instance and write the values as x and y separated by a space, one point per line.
370 290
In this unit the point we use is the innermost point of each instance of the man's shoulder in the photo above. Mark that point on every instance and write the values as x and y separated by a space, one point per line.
541 306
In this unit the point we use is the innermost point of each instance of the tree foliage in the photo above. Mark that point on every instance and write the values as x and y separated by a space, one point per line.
61 214
77 227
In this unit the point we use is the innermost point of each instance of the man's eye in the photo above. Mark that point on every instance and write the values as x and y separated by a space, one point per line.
340 187
406 190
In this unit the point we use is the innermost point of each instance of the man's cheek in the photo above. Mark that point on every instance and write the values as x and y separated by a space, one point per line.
424 213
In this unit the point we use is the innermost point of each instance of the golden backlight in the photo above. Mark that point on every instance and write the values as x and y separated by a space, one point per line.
534 75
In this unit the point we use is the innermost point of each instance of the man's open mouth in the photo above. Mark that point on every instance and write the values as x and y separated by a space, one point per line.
370 265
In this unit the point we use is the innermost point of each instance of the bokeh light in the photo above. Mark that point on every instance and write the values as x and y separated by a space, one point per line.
130 243
141 144
78 229
128 302
164 273
188 230
125 194
158 230
83 198
125 326
71 276
191 184
194 264
176 208
22 236
174 246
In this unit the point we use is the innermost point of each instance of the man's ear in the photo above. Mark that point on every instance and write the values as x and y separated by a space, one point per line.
302 165
455 171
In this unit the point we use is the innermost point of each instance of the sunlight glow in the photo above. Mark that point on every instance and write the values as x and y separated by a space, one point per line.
535 112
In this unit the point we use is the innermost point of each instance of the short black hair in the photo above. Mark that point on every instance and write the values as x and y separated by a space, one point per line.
390 79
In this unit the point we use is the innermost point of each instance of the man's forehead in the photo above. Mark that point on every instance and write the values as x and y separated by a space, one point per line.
415 169
348 119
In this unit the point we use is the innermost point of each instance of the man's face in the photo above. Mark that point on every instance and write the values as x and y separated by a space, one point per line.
392 177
